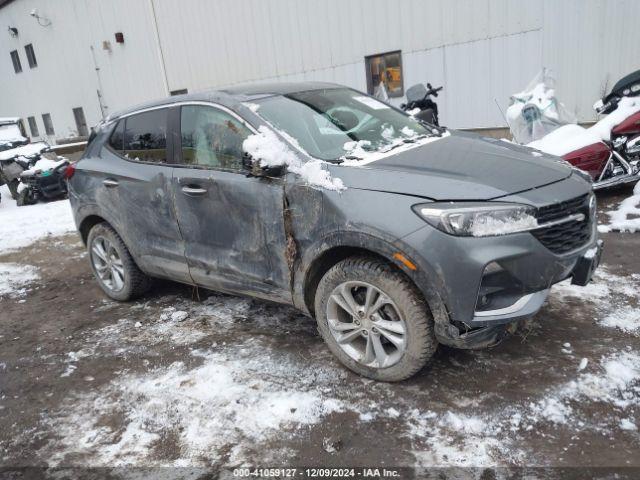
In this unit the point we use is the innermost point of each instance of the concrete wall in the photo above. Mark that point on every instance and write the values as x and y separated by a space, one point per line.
480 50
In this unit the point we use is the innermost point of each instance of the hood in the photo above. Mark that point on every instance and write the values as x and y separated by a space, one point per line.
461 166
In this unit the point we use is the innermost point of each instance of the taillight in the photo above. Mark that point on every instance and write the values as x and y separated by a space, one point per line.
68 173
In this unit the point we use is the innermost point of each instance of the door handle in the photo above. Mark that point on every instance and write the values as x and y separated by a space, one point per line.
110 182
193 191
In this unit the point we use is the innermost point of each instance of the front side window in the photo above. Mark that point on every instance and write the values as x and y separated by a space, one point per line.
145 136
33 126
384 75
15 59
211 138
329 123
31 56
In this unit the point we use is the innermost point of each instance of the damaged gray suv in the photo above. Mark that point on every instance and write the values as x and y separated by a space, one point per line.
394 234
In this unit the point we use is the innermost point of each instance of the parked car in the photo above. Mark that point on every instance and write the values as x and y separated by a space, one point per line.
433 236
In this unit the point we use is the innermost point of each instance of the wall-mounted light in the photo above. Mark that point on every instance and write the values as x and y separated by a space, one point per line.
42 21
13 31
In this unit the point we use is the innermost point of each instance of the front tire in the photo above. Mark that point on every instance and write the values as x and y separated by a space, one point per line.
112 264
374 320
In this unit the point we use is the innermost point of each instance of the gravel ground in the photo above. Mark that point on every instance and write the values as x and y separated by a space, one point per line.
199 379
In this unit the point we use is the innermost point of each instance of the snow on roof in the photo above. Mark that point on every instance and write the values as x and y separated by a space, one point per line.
24 151
9 120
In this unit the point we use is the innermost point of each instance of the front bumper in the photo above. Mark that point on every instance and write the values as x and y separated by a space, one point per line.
456 268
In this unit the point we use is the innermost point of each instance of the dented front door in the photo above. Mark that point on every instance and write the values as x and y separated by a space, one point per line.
232 225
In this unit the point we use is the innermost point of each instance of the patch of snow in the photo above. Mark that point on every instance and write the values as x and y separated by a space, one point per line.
414 111
270 151
622 218
627 424
489 226
251 106
24 151
179 316
569 138
10 133
355 149
626 319
45 164
583 364
591 253
14 278
228 398
22 226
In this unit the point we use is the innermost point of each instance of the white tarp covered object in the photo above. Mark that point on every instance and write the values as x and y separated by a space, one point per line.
535 112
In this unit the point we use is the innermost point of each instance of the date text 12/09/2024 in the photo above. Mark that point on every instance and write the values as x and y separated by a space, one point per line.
362 472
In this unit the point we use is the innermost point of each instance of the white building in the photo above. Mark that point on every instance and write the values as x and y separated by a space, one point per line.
69 62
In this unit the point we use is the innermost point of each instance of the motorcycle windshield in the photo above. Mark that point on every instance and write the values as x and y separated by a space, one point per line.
627 83
416 93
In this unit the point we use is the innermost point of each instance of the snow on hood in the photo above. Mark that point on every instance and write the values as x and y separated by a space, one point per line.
410 141
569 138
24 151
270 151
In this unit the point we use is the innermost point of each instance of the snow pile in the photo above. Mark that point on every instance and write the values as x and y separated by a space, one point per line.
626 319
569 138
24 151
22 226
270 151
14 277
626 218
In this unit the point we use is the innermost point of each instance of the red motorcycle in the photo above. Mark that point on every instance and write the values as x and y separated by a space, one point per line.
609 150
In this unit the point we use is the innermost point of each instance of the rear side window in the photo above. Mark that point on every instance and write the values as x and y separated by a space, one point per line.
145 136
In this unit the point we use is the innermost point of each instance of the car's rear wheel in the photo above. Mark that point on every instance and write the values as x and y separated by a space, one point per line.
374 320
112 264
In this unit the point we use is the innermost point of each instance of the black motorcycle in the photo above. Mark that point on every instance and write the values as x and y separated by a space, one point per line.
43 184
420 105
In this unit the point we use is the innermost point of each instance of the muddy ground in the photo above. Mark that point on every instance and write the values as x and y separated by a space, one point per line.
218 382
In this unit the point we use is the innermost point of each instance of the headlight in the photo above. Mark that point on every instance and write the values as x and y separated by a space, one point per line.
475 219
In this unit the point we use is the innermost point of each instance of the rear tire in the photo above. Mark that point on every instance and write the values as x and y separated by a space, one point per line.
113 266
402 326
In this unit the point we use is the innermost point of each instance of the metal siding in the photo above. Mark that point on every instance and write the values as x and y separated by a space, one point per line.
478 49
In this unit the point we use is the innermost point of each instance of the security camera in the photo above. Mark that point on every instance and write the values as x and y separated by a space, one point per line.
34 13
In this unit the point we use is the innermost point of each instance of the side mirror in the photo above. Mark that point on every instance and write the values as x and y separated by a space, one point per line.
254 169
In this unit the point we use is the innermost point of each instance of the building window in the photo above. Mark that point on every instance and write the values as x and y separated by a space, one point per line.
15 58
384 75
182 91
33 126
31 56
48 124
81 122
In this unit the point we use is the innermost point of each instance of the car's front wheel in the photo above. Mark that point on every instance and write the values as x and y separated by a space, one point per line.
112 264
374 320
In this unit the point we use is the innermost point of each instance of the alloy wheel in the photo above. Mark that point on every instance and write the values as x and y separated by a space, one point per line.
107 264
366 324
